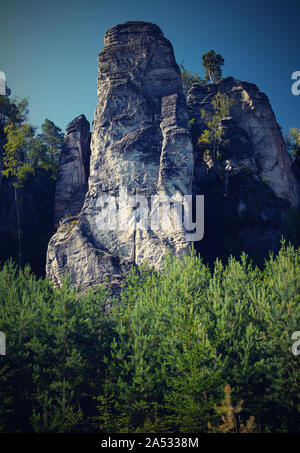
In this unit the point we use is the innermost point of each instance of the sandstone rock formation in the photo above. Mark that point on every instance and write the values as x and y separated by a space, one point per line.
250 190
252 112
73 169
141 141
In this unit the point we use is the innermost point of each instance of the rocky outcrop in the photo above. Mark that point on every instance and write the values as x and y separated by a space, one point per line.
252 112
250 188
140 141
73 172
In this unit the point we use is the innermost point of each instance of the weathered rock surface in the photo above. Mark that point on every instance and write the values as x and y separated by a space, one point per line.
73 172
141 141
252 112
250 190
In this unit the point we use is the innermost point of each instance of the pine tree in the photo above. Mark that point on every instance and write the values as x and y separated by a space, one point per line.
212 63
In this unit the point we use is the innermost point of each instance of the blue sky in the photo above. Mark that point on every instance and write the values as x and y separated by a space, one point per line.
48 49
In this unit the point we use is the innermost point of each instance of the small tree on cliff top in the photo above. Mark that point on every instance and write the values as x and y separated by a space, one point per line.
212 63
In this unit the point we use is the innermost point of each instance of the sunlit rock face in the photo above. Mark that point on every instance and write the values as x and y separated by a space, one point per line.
140 141
73 169
253 113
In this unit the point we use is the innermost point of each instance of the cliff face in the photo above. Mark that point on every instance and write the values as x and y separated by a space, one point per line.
252 112
73 169
140 141
250 191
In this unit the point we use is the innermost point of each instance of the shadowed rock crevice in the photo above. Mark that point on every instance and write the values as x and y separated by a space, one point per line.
251 189
253 113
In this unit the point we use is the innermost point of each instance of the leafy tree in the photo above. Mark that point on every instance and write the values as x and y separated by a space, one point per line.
22 109
49 142
292 139
13 111
17 151
211 139
189 79
8 112
212 63
16 164
23 152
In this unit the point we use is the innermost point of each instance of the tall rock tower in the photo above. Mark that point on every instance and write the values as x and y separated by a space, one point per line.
140 141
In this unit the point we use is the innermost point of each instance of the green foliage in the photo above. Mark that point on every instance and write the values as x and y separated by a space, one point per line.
71 225
56 340
13 111
17 165
184 333
292 140
15 157
189 79
24 152
158 360
212 140
51 140
212 63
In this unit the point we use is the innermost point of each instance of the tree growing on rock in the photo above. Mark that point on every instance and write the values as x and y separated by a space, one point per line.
189 79
211 139
212 63
292 140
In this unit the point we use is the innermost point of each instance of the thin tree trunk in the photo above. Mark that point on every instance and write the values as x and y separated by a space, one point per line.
134 235
18 209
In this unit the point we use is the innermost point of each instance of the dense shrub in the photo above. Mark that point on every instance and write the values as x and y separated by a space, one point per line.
160 358
56 340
